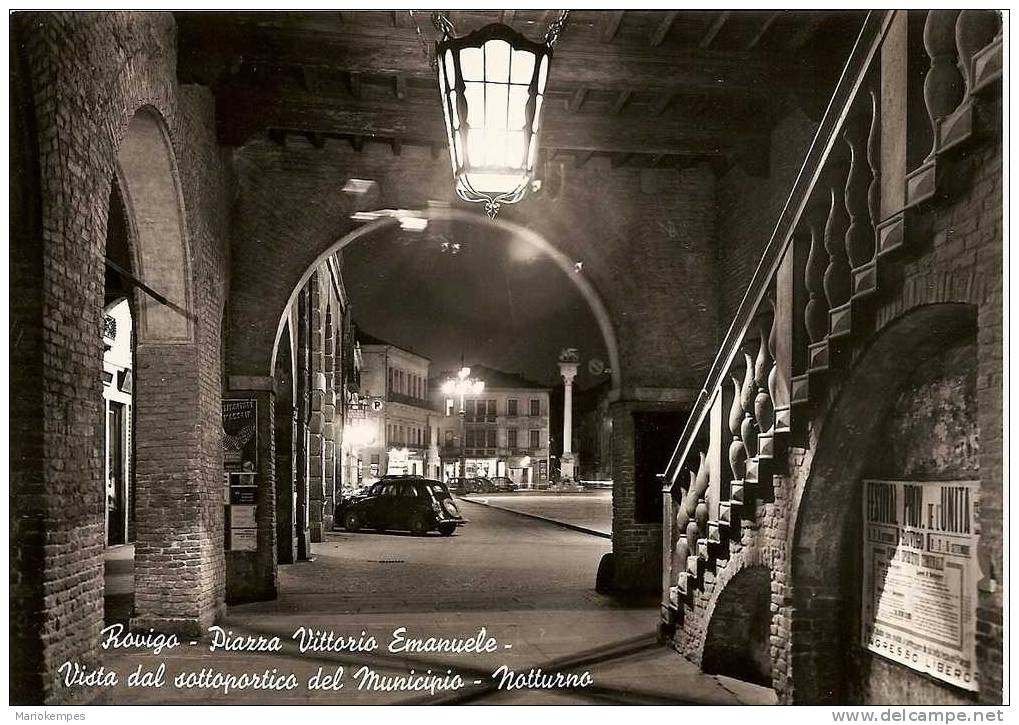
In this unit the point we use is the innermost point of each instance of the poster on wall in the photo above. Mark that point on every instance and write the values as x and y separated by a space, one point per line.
240 435
920 576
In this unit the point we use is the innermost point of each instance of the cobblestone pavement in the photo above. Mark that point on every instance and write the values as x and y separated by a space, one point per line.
529 584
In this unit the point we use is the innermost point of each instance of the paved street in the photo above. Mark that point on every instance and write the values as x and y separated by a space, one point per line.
587 509
530 584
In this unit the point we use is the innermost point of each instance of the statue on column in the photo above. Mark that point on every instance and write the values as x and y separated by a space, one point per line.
569 360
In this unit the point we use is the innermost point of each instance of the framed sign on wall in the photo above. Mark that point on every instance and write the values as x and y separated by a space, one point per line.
920 576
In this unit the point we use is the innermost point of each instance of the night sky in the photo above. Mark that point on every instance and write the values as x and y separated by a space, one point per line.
499 301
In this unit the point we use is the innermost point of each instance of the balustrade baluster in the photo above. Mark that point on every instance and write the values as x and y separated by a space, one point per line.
737 451
748 429
943 84
874 160
974 30
764 409
836 275
815 315
860 234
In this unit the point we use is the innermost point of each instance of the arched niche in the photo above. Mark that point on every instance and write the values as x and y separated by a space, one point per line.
827 662
150 187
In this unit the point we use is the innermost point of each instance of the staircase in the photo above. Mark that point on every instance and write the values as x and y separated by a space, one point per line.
836 251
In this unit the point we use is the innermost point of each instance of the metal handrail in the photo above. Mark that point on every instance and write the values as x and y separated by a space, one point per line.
872 34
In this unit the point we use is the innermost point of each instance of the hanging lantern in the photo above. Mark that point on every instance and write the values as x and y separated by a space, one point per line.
493 86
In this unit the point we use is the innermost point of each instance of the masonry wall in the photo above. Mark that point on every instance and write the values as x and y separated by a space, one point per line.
748 208
87 75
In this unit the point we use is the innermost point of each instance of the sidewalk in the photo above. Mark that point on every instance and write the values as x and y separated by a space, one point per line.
588 512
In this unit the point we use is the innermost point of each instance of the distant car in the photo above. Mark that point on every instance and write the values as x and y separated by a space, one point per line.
503 484
404 503
464 486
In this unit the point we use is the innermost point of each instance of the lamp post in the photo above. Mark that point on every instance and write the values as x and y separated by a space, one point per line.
463 385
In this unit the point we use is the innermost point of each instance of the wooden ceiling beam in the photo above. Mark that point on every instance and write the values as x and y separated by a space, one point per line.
621 100
663 28
577 100
763 30
244 112
620 159
210 46
610 25
715 28
354 83
661 103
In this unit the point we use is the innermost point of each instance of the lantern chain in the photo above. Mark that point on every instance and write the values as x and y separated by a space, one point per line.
555 28
443 24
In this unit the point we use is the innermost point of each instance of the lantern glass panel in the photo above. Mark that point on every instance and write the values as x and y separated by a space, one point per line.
517 107
543 74
496 98
537 113
474 94
454 114
522 69
450 69
497 61
472 64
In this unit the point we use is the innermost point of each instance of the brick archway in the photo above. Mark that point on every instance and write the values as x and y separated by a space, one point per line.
821 567
171 525
564 263
737 640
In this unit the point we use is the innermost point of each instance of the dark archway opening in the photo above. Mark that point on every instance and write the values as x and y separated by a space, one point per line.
118 406
737 642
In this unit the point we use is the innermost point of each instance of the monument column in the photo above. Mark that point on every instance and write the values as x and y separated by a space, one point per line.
568 360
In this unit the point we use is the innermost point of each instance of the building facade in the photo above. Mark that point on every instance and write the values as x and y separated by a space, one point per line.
117 385
396 434
504 431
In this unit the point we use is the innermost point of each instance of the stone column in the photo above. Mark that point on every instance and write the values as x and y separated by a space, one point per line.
568 369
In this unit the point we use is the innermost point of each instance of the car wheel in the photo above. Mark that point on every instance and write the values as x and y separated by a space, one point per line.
418 525
447 529
352 522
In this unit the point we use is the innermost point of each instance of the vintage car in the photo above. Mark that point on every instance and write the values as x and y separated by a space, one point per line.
404 503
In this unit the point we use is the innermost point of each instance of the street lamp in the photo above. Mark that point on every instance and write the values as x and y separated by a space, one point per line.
492 85
463 385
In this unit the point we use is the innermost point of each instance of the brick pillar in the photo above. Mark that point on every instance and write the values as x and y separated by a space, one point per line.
316 420
178 554
251 576
329 424
286 451
303 416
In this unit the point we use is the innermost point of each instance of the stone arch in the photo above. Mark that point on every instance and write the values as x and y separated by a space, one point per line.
737 637
822 568
149 184
563 262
